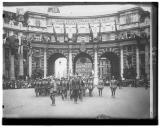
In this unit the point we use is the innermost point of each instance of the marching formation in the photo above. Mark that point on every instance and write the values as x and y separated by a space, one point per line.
74 88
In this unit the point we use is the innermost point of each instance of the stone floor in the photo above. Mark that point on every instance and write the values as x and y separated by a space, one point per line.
129 103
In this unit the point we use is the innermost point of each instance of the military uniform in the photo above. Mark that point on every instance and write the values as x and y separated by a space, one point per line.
53 91
81 89
36 88
75 85
71 87
100 87
113 86
62 88
90 86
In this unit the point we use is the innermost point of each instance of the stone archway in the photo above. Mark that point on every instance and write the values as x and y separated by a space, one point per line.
82 64
51 62
111 64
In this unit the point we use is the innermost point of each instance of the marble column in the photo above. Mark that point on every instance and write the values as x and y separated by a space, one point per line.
12 67
30 65
137 63
95 67
121 63
21 66
70 67
4 67
147 67
45 63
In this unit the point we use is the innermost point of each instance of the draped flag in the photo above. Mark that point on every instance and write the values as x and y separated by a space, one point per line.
100 36
76 32
54 33
64 32
91 33
117 34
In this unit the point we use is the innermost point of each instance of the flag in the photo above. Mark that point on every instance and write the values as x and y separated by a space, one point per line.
54 33
64 32
99 35
116 30
76 32
91 33
115 26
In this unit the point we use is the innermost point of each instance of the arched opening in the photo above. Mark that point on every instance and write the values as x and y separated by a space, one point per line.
109 65
57 65
83 64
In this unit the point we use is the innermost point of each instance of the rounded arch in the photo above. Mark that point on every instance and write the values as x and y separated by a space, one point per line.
51 62
114 61
78 56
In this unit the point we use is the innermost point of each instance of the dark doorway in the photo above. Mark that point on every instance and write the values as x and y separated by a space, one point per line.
83 64
109 65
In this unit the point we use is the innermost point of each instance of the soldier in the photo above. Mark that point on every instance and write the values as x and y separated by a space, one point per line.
36 88
62 88
81 88
53 91
113 86
65 87
40 87
59 86
90 86
100 86
119 82
75 89
70 88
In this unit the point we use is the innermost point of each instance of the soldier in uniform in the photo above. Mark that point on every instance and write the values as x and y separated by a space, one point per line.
59 86
71 88
36 88
75 85
100 86
65 88
81 88
113 86
53 91
90 86
62 88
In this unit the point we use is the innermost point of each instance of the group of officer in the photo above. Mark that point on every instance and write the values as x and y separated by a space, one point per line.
72 88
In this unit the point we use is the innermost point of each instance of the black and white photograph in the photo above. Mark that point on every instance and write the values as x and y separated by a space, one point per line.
79 61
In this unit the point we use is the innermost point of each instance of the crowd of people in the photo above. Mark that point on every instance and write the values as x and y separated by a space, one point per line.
17 84
73 88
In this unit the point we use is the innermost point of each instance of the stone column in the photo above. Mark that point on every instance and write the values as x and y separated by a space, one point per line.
95 67
147 68
21 67
137 63
4 67
45 63
30 65
121 63
12 67
70 71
